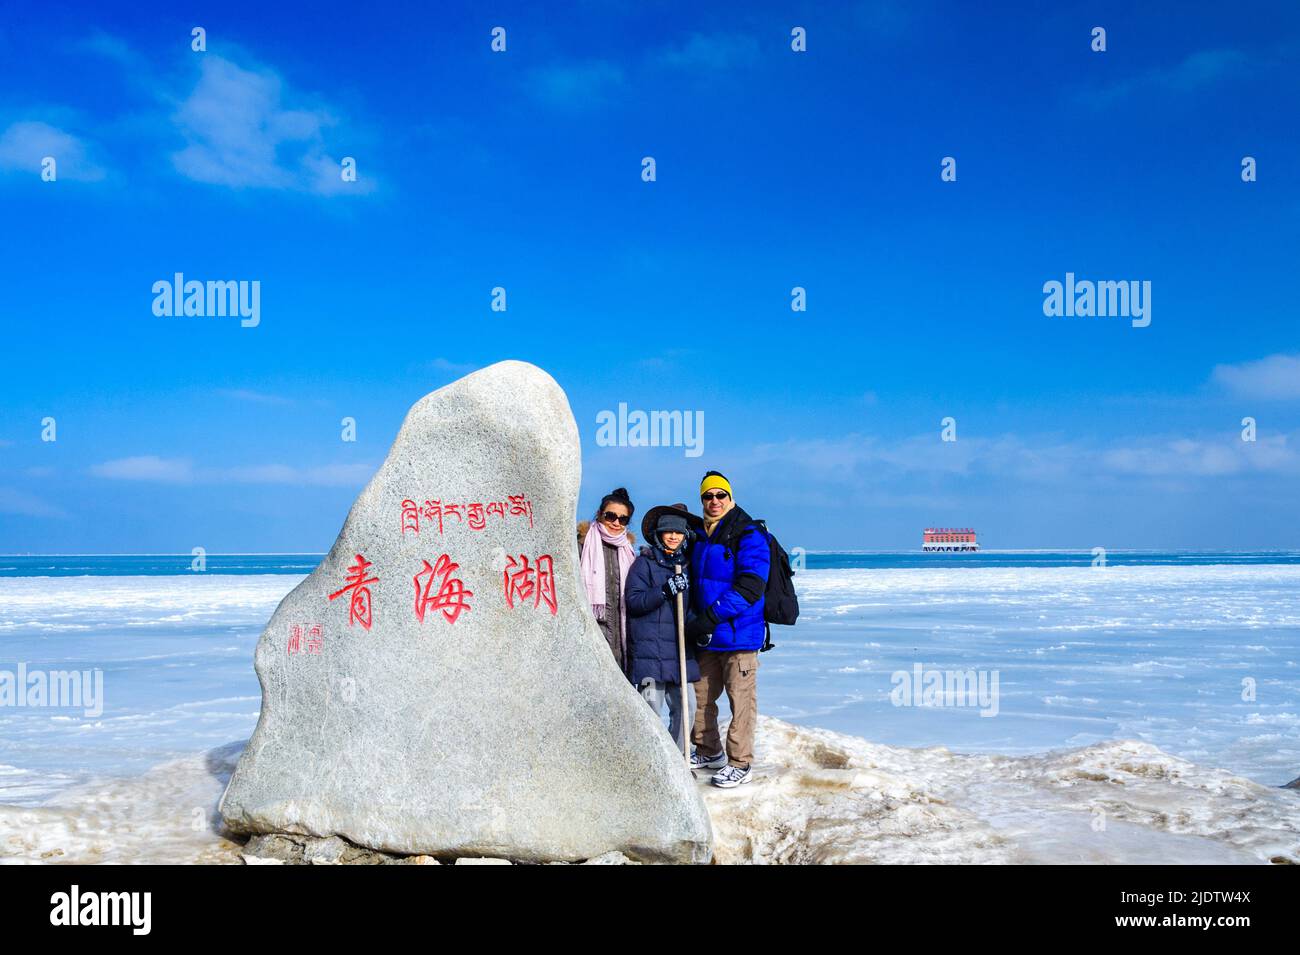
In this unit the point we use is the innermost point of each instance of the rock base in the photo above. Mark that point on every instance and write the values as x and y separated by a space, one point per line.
281 848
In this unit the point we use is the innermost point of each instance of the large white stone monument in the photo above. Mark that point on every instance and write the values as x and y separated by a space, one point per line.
437 685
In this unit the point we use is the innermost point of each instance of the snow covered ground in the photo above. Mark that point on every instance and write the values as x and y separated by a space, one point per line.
818 797
1168 697
1201 661
822 797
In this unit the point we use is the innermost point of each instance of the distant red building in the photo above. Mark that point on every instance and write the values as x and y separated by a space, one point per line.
949 539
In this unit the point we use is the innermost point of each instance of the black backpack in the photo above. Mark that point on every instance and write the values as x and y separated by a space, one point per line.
780 602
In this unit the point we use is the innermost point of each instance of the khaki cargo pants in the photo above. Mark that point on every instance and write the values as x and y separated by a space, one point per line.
736 671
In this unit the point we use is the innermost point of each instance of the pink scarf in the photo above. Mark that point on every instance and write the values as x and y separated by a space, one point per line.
592 565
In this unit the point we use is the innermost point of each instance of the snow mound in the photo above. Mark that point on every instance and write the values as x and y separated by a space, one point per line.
823 797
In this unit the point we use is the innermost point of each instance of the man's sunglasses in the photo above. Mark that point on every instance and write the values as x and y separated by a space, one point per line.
610 517
714 496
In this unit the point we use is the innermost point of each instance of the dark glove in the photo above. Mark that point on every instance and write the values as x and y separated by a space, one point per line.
700 627
676 584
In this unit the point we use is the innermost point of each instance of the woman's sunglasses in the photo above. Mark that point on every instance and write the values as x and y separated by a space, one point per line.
714 496
610 517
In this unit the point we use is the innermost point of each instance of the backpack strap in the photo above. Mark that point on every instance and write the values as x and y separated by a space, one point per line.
754 524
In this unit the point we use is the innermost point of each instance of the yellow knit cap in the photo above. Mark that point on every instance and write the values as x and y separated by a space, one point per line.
716 481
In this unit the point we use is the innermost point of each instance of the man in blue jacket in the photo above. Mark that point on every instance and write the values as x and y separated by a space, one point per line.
729 568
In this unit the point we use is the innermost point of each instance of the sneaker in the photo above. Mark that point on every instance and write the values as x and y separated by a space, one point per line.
732 776
700 761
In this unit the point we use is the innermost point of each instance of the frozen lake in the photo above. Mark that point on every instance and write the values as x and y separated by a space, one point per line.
1199 661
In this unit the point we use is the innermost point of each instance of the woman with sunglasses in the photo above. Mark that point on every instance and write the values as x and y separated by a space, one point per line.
606 557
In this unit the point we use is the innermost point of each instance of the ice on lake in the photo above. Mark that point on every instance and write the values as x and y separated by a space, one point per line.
1144 713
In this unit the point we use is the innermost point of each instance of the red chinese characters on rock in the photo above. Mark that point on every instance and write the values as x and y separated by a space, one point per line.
474 516
537 582
438 589
359 606
308 632
450 598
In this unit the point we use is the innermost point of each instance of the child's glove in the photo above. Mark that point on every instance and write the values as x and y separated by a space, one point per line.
676 584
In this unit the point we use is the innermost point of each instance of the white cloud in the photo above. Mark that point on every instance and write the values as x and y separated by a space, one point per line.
1200 69
722 51
1186 457
257 397
328 475
1177 458
181 471
580 84
674 359
146 467
110 47
1196 71
459 369
576 85
856 458
242 134
1274 377
19 502
25 144
861 455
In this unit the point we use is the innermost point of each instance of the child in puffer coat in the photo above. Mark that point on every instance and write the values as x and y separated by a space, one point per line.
651 599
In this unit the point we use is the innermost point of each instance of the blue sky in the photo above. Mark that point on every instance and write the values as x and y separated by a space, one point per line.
775 169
